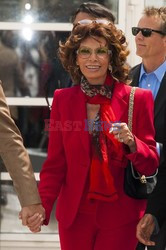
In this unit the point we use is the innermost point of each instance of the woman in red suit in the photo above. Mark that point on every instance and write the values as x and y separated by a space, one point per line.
90 144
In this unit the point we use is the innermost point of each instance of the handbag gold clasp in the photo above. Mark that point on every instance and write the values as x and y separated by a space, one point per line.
143 179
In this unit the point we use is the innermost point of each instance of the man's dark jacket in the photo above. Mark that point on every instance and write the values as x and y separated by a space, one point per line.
157 201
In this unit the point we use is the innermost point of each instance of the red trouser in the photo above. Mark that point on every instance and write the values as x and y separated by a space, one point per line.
85 234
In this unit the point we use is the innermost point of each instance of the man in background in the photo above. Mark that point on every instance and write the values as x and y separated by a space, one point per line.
150 38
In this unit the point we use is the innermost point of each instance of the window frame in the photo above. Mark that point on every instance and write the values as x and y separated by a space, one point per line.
21 101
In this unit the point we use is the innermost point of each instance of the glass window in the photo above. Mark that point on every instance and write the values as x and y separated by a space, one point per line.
34 69
33 123
31 66
45 10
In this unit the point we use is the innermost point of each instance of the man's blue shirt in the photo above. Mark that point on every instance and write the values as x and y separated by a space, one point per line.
152 81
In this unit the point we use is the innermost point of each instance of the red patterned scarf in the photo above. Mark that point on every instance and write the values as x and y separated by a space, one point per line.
101 181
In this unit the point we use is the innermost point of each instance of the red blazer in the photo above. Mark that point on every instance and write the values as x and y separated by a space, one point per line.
65 170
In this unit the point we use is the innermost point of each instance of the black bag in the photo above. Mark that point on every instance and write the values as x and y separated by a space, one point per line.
135 185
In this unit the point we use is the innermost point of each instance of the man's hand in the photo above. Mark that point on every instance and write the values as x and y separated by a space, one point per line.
29 211
145 229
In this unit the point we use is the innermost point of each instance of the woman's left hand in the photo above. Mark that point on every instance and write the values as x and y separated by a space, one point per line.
35 222
123 134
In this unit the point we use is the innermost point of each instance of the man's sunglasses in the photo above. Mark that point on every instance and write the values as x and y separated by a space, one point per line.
146 32
88 21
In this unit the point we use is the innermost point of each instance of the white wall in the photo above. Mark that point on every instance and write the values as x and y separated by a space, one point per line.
156 3
134 10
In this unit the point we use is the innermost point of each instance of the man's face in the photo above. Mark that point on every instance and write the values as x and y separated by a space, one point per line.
153 46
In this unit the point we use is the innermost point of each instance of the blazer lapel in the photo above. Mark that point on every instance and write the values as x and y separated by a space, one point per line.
161 97
134 74
79 113
118 103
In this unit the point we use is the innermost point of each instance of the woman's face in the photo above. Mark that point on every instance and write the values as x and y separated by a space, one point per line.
93 59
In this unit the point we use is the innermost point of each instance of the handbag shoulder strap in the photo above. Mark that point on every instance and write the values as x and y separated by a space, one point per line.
131 107
130 123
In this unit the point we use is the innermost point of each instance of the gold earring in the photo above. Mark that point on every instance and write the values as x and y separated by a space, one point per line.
110 68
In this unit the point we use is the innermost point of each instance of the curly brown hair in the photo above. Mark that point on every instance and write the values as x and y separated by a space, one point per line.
116 42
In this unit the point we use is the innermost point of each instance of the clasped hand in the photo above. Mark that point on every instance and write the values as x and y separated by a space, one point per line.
33 216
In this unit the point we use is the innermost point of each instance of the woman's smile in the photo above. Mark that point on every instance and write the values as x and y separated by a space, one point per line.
93 67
